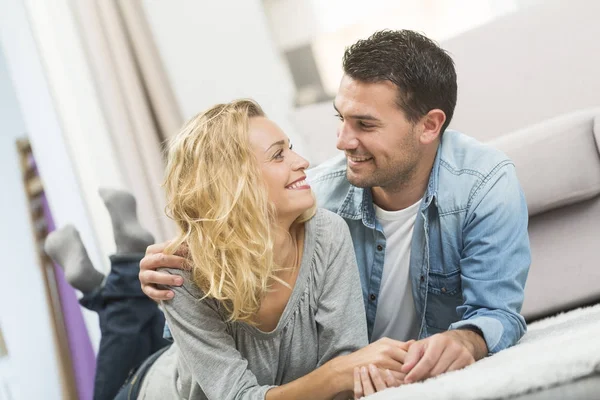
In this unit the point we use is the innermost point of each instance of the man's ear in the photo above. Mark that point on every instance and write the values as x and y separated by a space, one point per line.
432 123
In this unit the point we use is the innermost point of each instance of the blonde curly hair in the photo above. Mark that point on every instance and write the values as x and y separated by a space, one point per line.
217 197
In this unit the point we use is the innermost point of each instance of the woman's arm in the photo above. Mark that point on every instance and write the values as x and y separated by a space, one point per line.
206 346
210 353
340 311
321 384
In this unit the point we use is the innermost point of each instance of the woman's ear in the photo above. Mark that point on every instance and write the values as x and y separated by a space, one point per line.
432 123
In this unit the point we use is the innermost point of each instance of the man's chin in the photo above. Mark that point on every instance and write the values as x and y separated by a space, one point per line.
358 180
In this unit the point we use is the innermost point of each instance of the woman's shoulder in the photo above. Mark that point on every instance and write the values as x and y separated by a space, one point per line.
332 239
189 286
326 217
329 227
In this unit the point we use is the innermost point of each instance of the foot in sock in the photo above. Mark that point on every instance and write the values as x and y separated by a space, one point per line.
130 236
65 247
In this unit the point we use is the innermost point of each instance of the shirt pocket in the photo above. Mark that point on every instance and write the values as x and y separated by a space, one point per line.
443 298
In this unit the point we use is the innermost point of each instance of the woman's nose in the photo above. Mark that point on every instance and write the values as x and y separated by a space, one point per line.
300 162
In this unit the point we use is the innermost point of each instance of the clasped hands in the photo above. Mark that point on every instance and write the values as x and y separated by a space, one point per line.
389 363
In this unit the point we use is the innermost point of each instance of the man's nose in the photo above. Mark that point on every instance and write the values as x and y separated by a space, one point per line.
346 140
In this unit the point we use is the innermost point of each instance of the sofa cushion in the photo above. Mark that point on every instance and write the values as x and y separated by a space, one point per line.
564 269
557 161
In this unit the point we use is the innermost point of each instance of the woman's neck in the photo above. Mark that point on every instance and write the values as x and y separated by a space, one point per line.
285 244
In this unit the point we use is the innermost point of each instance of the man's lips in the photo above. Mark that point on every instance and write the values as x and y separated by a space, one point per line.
356 160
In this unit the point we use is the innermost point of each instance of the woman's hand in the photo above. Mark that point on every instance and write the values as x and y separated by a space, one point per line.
150 279
372 380
385 353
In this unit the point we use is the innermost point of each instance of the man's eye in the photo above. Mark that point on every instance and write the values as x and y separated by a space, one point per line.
338 116
364 126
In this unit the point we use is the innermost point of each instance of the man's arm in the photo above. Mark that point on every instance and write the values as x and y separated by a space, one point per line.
494 266
495 261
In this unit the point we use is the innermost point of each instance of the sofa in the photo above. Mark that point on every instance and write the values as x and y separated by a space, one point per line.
558 164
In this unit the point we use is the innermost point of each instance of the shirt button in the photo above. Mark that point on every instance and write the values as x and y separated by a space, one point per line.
443 290
372 297
422 278
379 247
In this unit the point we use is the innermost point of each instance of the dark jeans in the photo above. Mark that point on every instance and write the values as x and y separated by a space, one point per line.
131 325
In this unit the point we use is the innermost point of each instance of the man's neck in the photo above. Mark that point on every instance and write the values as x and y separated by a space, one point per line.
394 200
404 194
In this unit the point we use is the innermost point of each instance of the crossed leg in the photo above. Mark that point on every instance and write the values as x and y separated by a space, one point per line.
131 324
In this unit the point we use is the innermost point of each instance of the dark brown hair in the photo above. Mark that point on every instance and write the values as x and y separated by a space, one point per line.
423 72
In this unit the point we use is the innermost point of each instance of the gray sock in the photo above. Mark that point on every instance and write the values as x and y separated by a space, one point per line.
130 236
65 247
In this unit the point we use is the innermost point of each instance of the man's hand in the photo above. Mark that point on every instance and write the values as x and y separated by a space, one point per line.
441 353
372 379
149 277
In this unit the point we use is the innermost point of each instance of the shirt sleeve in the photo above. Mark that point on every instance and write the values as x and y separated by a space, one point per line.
340 315
205 344
495 260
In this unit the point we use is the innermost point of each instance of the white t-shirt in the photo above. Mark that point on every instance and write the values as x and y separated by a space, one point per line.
396 317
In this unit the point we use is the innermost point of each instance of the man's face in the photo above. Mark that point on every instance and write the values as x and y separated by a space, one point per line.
382 147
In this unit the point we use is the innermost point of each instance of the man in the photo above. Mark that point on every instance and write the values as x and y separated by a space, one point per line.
438 220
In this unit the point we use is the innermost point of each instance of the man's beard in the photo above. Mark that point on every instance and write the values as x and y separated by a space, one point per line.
395 179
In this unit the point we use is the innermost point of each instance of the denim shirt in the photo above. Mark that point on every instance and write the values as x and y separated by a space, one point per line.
470 252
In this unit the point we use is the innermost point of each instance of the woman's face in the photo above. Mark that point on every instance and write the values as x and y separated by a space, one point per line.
282 169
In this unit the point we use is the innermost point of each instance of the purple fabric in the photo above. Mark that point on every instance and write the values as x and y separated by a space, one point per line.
82 353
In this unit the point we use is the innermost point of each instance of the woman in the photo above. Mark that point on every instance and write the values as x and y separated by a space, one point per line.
273 294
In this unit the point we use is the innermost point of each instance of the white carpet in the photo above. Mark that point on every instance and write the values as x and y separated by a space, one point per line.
555 350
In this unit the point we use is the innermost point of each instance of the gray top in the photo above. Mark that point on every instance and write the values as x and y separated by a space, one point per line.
324 318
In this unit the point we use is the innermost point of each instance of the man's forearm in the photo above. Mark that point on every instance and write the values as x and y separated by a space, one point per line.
472 340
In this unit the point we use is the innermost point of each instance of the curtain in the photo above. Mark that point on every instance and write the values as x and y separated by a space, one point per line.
136 99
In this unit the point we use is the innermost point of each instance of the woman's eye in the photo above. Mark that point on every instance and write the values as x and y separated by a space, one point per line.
291 147
278 155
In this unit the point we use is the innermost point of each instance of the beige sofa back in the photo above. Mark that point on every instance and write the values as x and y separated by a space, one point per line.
558 164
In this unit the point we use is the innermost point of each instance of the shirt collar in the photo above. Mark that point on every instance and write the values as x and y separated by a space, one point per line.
358 205
352 205
433 184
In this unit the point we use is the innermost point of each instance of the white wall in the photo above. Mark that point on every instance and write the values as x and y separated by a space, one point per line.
527 67
216 51
31 368
293 23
